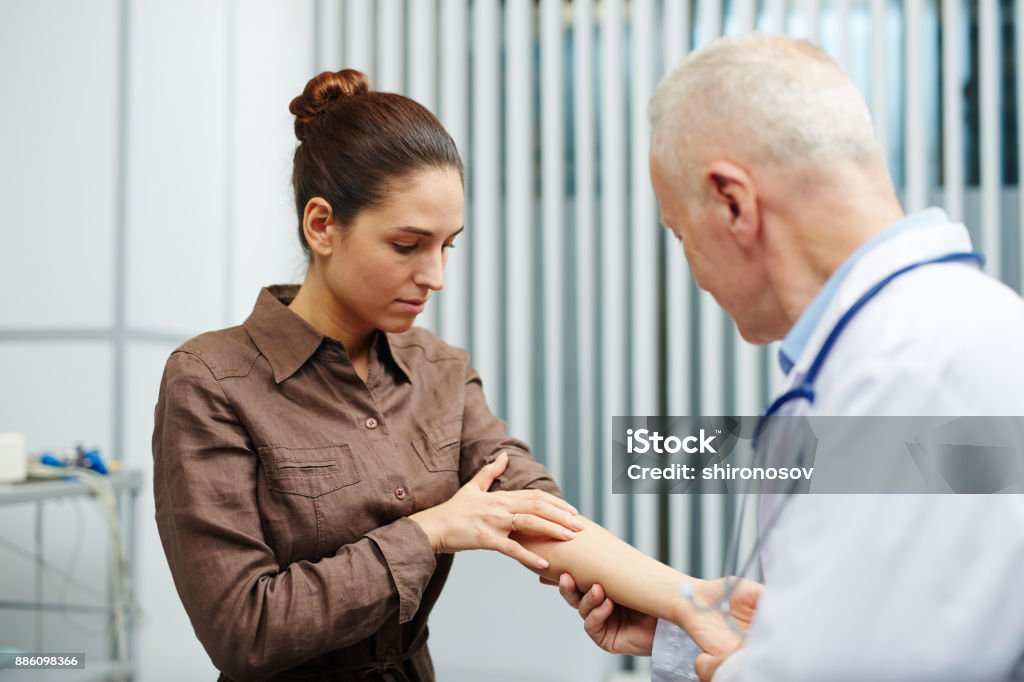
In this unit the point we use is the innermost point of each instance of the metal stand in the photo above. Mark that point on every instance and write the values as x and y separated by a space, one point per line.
126 486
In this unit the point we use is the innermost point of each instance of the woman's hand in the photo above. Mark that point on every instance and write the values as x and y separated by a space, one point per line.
476 519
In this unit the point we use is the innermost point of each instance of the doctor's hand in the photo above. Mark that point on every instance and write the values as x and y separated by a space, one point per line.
477 519
707 665
614 628
712 630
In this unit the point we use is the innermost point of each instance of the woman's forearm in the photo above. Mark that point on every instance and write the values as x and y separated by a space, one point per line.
628 576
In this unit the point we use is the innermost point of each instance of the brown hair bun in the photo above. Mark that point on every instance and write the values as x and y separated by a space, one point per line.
355 143
320 92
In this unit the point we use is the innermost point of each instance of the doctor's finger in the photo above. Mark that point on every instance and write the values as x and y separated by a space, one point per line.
567 588
594 597
706 665
595 621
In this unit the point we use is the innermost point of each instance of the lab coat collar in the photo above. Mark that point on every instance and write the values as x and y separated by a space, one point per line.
908 247
796 340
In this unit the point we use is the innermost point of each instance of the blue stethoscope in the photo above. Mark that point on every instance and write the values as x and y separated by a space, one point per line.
806 388
805 391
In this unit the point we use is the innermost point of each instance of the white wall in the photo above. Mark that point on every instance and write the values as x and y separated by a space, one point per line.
58 207
59 125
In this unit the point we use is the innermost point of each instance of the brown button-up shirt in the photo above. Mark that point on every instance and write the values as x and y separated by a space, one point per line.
283 484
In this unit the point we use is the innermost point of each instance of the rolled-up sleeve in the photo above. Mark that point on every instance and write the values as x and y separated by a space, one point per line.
484 436
254 616
410 560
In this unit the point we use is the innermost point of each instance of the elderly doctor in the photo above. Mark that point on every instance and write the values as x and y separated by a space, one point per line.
765 165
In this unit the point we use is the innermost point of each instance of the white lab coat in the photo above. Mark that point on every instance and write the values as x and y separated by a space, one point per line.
896 587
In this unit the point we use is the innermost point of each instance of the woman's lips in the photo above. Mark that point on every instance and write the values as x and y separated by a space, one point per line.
412 305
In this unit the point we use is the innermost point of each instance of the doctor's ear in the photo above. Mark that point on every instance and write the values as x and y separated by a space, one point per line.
318 227
734 196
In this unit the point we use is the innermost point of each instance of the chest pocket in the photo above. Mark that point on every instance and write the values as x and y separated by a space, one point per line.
310 472
440 449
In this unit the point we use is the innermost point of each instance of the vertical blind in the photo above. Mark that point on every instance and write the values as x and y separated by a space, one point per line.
574 303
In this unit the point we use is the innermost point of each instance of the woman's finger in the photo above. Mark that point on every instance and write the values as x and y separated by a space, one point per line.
556 501
544 510
542 496
485 477
511 548
515 497
528 523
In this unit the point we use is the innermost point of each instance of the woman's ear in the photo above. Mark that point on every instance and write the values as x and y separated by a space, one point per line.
733 188
318 227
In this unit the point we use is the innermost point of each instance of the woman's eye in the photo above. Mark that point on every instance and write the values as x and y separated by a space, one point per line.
450 245
404 248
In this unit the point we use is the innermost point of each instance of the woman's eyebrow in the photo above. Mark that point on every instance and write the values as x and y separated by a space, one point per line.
427 233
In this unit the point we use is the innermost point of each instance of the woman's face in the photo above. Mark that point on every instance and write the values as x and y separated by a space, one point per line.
386 264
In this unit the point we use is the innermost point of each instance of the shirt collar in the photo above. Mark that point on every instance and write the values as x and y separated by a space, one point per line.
796 340
389 352
288 341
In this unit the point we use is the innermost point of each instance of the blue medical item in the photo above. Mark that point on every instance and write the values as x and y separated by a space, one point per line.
82 458
90 459
51 460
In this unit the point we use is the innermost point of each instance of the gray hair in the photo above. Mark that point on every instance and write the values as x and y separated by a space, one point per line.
770 100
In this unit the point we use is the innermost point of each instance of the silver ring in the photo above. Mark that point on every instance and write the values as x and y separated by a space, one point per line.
514 522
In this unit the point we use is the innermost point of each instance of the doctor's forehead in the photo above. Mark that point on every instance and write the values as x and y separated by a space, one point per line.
670 201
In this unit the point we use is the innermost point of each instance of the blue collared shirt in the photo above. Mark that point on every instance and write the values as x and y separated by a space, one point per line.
796 340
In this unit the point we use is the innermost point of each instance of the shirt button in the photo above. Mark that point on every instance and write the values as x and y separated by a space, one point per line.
371 423
400 492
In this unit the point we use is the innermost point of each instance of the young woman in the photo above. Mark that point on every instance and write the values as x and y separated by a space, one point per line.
315 467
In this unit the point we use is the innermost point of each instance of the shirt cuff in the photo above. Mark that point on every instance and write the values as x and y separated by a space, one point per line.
673 654
410 561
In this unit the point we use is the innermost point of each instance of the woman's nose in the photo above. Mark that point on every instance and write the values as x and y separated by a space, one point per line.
431 273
